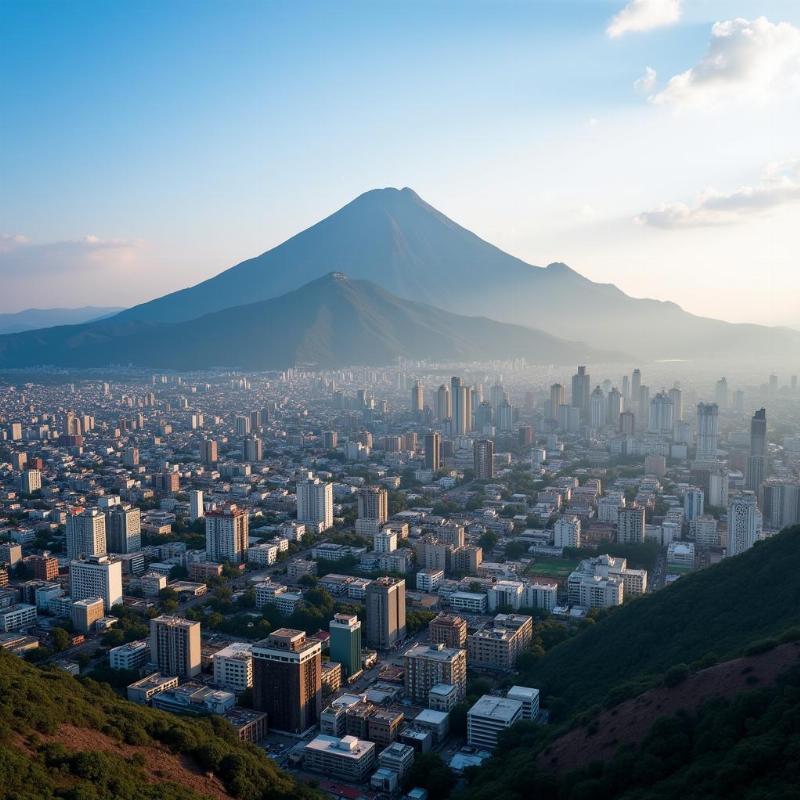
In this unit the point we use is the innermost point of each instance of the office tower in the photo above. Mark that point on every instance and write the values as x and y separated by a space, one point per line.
86 533
630 527
130 457
417 397
242 425
781 503
427 665
580 392
175 646
757 462
196 507
373 504
558 397
287 680
614 407
707 431
255 420
484 416
676 396
385 608
124 529
567 531
96 576
483 459
721 393
31 481
661 414
626 389
693 504
742 523
253 449
627 423
597 409
496 396
330 440
636 382
443 407
433 444
315 502
227 534
643 410
209 453
345 642
461 403
505 416
773 385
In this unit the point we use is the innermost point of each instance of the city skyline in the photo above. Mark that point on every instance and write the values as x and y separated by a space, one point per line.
129 177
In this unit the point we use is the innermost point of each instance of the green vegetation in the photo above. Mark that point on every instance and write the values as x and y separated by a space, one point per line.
719 611
35 703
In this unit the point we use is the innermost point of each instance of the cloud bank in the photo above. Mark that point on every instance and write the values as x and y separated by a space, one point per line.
644 15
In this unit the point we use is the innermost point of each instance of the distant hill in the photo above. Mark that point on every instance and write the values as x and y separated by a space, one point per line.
61 738
395 239
331 322
33 318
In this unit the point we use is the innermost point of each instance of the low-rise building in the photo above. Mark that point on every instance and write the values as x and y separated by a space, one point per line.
489 717
130 656
348 758
145 689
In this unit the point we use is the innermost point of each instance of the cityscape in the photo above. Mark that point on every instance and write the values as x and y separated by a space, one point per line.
386 512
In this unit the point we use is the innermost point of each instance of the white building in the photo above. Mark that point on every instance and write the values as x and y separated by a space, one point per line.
742 523
348 758
567 532
264 554
505 594
528 697
541 594
97 576
233 667
489 717
429 580
471 602
15 618
385 541
130 656
196 507
315 502
86 533
680 555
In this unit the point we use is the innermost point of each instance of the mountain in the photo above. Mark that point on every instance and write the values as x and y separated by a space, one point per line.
33 318
330 322
395 239
64 738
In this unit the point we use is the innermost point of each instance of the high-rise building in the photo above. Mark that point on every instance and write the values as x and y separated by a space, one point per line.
373 504
757 462
287 680
643 410
227 534
209 452
426 666
707 431
315 502
721 393
614 407
693 504
86 533
345 642
31 481
505 415
242 425
461 403
130 457
443 408
196 507
781 503
433 445
627 423
558 397
385 609
175 646
742 523
449 630
581 383
124 529
597 409
483 459
661 414
96 576
630 527
253 449
166 482
417 397
677 403
567 532
636 382
45 566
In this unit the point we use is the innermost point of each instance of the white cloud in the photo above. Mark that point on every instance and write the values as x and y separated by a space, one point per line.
746 61
647 82
779 186
644 15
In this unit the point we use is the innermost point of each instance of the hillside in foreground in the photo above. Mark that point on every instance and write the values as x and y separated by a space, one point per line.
63 738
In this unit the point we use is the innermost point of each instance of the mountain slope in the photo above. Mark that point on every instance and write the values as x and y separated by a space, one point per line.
330 322
399 241
33 318
61 738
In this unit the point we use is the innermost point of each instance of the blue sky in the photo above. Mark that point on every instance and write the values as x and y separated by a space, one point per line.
145 146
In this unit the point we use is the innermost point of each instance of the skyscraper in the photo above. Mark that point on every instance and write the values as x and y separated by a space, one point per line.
558 397
315 502
253 449
175 646
721 393
209 453
461 401
86 533
385 609
676 396
581 382
597 409
630 527
693 503
483 459
227 532
345 642
433 443
707 431
287 680
373 509
96 576
742 523
124 529
661 414
757 462
443 408
196 507
417 397
614 407
636 382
